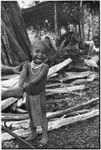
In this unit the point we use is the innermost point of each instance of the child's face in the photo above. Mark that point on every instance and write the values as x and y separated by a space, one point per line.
39 55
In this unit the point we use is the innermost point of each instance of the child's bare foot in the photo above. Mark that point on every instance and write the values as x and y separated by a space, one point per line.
42 143
44 140
31 137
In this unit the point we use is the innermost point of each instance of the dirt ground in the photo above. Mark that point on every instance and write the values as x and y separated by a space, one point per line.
80 135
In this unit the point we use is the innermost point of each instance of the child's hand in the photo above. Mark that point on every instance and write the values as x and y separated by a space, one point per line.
27 88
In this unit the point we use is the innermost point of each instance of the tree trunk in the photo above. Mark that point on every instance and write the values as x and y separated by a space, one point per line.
55 17
6 46
15 45
19 26
82 22
15 39
90 27
6 19
3 56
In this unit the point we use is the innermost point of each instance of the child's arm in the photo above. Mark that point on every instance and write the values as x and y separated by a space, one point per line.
36 85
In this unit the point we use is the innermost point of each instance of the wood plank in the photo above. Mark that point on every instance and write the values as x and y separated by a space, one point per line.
24 132
7 77
59 66
13 82
10 116
6 103
64 89
17 137
52 70
80 106
75 75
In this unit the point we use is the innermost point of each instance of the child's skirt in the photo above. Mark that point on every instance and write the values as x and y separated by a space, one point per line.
36 106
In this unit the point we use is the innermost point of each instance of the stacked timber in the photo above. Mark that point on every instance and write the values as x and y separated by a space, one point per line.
71 83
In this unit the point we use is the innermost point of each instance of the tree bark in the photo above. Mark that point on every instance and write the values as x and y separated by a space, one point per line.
15 45
6 19
19 26
3 56
6 46
82 22
17 41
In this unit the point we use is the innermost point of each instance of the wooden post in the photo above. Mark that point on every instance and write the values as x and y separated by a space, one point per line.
55 16
17 137
90 28
82 22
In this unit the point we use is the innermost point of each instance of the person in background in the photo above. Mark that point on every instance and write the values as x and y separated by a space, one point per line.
53 48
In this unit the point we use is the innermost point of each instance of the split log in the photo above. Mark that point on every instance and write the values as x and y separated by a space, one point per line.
6 103
10 116
64 90
17 137
51 92
92 77
53 85
54 75
52 70
7 77
89 79
59 66
75 75
13 82
14 117
24 132
63 112
18 123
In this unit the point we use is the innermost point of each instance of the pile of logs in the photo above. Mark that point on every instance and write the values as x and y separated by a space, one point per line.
70 83
20 123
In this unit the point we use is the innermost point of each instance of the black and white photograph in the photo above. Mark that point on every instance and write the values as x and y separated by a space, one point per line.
50 74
